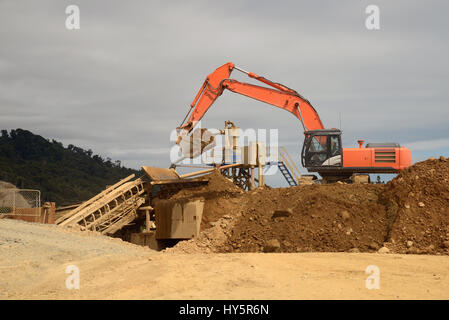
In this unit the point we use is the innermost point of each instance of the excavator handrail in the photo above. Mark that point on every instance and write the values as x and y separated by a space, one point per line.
289 162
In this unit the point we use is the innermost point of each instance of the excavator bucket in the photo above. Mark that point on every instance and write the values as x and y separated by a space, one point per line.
198 142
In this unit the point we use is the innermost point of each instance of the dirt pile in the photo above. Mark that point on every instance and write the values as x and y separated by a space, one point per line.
417 203
217 186
310 218
9 198
221 196
304 218
223 205
410 214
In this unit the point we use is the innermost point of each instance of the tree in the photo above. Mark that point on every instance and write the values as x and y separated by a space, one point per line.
64 175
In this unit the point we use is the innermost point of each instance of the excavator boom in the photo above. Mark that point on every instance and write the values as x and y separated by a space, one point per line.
279 96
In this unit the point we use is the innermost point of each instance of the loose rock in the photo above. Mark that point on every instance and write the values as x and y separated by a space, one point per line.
282 213
345 215
373 246
272 245
383 250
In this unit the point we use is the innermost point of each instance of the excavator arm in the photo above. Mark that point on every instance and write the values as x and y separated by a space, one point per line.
279 96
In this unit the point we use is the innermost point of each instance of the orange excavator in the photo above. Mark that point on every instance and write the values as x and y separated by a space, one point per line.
322 150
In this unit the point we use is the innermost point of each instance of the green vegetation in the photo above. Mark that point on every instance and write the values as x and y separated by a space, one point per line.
65 175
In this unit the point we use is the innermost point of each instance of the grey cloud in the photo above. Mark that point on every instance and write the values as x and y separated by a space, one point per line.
121 83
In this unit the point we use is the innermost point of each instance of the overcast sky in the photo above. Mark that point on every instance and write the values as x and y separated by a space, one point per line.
125 79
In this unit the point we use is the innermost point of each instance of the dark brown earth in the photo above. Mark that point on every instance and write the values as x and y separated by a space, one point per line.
410 214
311 218
417 202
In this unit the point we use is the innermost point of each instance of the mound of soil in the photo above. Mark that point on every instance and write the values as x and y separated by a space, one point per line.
217 185
220 195
8 198
335 217
417 203
410 214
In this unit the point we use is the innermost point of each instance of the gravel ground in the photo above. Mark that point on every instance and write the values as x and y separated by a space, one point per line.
29 250
20 239
33 261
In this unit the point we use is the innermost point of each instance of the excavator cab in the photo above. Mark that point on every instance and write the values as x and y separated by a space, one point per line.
322 148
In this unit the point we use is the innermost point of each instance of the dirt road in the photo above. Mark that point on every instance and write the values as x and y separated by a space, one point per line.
33 261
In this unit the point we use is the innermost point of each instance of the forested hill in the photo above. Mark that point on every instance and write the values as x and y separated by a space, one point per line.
65 175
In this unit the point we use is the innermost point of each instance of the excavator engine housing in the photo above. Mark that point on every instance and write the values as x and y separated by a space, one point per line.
322 152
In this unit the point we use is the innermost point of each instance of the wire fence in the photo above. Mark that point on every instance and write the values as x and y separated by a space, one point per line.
25 202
